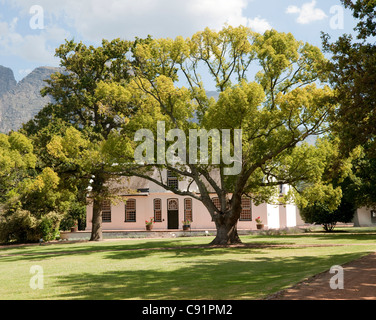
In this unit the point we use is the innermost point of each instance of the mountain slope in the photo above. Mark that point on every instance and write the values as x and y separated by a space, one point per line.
20 102
7 80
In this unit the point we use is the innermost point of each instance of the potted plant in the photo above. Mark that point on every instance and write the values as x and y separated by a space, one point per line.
74 228
149 224
186 225
259 224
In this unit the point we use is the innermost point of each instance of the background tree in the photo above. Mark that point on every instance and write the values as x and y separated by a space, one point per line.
320 213
363 179
335 199
277 111
78 102
17 160
32 204
352 73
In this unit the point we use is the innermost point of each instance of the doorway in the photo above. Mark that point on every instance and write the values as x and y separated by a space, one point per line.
173 214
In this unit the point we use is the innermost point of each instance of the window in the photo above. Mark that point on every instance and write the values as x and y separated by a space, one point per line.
157 210
130 210
106 211
246 214
172 180
188 214
172 204
217 203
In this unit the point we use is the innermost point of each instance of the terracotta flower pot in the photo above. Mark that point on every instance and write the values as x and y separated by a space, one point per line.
260 226
186 227
149 227
74 229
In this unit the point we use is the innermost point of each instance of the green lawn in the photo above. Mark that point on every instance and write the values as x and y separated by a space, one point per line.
182 268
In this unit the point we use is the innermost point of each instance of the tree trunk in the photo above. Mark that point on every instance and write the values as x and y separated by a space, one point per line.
227 233
96 228
226 220
98 192
329 227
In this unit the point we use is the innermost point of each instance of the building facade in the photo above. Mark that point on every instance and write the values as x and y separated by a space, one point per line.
145 200
365 217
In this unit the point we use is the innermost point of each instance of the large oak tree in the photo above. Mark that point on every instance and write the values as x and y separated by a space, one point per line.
270 86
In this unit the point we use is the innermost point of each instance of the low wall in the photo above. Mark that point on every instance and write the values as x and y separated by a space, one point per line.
85 235
141 234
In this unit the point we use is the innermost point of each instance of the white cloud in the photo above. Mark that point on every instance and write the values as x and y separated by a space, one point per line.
94 20
292 9
32 47
97 19
259 25
307 13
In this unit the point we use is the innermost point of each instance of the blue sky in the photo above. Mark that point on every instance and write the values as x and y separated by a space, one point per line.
30 30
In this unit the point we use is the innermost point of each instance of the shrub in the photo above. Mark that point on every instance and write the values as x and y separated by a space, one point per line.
21 226
49 226
319 213
76 213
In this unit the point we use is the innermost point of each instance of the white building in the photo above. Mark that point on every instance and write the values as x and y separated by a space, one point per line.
365 217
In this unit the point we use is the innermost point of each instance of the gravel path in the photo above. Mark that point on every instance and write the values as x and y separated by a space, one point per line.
359 284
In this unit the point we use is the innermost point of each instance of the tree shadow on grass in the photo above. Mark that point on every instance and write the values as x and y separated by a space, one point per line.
128 250
351 237
203 279
327 236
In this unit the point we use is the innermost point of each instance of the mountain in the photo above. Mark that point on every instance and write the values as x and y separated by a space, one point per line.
7 80
213 94
20 102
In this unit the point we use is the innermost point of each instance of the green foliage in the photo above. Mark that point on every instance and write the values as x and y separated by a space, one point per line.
352 73
16 161
32 199
270 85
90 106
333 199
49 226
322 213
328 168
363 178
279 109
75 215
22 226
39 195
364 10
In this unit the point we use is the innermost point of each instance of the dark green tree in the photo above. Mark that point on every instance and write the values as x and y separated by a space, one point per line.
352 73
321 213
78 104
